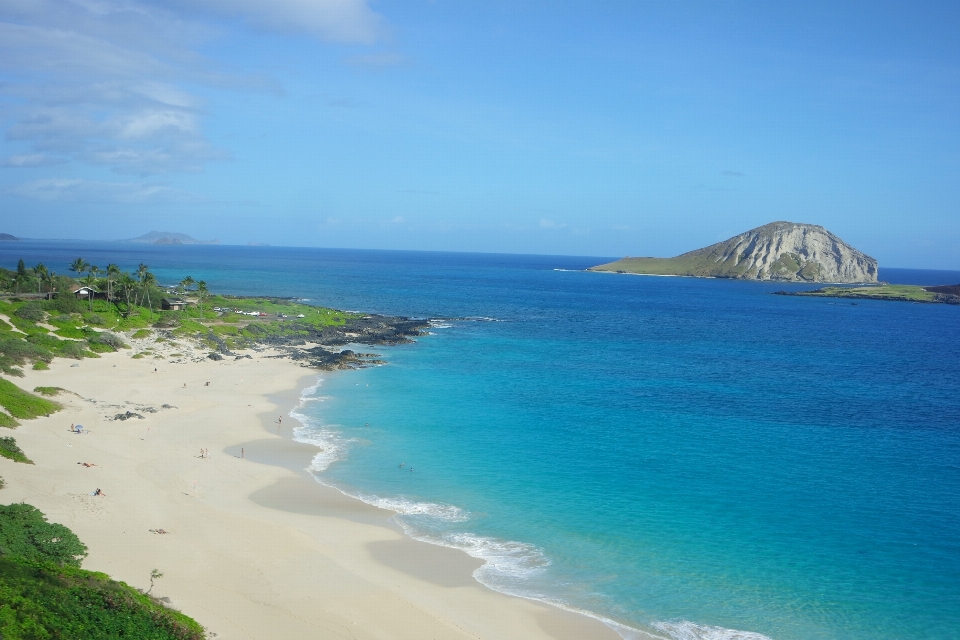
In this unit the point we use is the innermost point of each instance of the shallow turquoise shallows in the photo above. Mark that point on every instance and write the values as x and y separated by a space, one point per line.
683 456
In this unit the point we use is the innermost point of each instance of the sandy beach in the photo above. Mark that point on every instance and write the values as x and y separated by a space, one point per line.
255 548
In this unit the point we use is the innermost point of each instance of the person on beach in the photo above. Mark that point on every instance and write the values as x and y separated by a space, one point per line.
241 452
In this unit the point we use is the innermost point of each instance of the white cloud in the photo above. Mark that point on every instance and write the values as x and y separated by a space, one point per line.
105 82
76 190
30 160
337 20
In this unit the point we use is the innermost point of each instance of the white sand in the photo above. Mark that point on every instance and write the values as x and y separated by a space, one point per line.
255 549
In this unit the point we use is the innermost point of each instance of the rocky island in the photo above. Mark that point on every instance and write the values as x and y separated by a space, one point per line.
782 251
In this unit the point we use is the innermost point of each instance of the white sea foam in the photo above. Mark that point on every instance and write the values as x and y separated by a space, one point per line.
685 630
508 566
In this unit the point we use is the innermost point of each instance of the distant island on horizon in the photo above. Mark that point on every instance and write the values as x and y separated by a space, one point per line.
781 251
168 237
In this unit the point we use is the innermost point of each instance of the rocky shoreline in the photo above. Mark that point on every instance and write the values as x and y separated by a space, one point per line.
316 347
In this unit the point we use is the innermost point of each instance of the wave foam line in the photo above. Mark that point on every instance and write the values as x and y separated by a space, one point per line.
505 562
685 630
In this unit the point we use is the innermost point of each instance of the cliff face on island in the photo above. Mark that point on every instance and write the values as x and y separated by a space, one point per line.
783 251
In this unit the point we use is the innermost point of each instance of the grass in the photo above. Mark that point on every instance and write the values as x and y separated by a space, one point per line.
8 421
23 405
48 391
9 449
40 365
138 356
142 333
901 292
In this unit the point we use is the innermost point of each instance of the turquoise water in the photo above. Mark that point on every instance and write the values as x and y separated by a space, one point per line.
679 455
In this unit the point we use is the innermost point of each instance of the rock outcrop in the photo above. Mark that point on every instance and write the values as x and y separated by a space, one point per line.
783 251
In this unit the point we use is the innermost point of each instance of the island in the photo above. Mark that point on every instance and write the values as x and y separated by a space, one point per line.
780 251
949 294
168 237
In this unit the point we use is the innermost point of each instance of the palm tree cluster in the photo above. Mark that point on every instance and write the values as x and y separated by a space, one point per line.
134 288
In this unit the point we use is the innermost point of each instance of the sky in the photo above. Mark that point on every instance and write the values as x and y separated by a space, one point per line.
582 128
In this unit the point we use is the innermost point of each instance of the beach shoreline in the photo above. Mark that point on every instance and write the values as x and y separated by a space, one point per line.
256 547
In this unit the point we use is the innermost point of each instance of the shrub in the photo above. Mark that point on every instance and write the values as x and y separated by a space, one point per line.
24 405
9 449
45 601
32 311
40 365
48 391
94 318
109 339
25 533
65 303
15 351
168 320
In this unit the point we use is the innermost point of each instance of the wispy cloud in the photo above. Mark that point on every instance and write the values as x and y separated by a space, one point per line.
76 190
113 82
31 160
336 20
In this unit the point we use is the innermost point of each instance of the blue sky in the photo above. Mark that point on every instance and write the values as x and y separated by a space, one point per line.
600 128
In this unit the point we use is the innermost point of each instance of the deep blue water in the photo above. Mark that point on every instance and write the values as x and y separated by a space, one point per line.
676 454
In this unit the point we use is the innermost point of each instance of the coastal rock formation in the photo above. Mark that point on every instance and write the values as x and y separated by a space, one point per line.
783 251
6 237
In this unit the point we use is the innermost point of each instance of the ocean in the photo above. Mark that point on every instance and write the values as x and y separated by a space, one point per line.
694 458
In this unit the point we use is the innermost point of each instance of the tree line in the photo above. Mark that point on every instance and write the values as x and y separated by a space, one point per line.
137 288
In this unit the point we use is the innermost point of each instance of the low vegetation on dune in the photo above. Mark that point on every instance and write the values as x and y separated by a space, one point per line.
21 404
45 594
10 450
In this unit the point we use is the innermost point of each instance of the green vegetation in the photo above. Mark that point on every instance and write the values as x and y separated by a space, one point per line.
7 420
44 593
26 534
40 365
131 302
23 405
9 449
48 391
901 292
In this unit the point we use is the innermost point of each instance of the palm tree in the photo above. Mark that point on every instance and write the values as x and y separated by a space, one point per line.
201 293
149 280
50 277
112 272
186 283
78 266
41 273
142 271
127 284
89 281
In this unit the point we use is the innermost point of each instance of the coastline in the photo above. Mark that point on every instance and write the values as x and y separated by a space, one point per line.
256 547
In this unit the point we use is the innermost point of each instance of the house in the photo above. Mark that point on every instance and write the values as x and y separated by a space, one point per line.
173 304
88 292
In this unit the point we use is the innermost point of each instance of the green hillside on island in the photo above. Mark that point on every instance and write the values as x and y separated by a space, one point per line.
895 292
783 251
